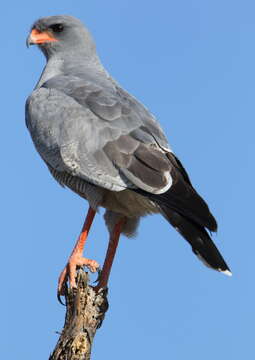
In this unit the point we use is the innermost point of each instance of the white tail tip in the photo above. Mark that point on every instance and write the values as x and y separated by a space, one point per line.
226 272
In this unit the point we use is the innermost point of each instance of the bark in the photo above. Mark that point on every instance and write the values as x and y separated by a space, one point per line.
85 311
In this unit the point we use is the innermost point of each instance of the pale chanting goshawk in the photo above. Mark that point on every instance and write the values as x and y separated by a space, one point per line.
103 144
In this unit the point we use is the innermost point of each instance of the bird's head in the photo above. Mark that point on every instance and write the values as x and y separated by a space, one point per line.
61 34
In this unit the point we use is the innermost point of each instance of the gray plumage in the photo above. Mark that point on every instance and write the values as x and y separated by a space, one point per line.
107 147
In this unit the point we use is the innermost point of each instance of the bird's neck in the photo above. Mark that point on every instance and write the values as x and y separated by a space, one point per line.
57 65
51 69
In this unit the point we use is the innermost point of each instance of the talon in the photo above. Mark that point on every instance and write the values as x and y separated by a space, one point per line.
93 266
60 300
69 272
99 272
100 289
62 292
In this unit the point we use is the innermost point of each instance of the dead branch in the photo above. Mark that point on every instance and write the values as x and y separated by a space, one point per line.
85 311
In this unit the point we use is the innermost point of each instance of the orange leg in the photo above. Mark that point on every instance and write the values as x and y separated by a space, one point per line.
76 258
111 251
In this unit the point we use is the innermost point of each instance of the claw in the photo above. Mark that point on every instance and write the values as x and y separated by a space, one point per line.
62 292
60 300
99 272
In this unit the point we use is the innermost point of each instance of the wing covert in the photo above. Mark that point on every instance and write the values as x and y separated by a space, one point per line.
67 136
99 134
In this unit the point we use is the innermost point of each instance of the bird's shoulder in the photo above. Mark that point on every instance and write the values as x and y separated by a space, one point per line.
105 98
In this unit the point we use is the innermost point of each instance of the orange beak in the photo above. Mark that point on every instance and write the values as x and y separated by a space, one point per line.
39 37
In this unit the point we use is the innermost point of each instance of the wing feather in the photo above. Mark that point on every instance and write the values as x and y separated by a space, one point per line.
100 134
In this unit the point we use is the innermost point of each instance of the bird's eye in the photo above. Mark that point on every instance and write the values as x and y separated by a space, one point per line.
57 28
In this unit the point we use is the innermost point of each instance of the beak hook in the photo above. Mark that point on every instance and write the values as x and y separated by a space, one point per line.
28 41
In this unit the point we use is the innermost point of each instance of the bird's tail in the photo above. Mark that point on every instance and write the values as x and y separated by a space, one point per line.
199 240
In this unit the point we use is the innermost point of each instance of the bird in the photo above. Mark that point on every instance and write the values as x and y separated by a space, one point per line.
102 143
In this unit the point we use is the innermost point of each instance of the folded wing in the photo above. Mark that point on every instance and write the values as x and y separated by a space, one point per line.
99 134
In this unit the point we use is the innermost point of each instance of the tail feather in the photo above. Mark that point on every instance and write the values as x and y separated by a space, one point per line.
200 241
183 198
189 214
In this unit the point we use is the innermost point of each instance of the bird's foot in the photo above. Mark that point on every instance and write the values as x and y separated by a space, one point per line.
69 271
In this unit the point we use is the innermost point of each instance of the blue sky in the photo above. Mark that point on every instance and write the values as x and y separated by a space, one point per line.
192 64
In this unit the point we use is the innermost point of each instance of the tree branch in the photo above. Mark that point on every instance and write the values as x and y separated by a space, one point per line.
85 311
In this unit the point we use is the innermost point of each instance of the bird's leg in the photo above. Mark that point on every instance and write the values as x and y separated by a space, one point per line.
76 258
111 251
